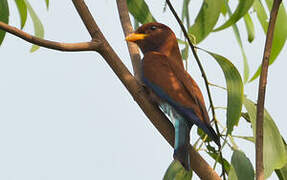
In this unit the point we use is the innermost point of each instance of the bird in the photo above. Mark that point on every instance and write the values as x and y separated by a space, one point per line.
167 82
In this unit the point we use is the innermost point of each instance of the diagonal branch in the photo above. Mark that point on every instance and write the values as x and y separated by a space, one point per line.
100 44
82 46
262 90
158 119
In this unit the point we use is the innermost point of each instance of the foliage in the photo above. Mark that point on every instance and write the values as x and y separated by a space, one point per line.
240 167
205 21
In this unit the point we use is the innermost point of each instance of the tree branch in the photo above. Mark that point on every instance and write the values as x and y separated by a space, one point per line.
127 28
82 46
158 119
262 90
100 44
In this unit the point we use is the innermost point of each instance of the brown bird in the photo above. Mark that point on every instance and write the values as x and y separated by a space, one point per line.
164 75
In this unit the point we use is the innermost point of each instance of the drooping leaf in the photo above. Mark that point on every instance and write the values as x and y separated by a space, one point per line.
22 8
4 17
241 9
274 153
47 3
239 41
185 12
232 174
217 158
176 171
242 166
234 90
282 173
249 27
184 52
206 19
140 11
38 26
280 31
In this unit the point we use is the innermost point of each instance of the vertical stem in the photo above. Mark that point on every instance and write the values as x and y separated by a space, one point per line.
262 90
127 28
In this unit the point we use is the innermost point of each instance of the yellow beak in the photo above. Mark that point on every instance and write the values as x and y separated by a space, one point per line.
134 37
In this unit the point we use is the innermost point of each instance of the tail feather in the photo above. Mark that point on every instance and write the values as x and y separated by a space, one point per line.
182 138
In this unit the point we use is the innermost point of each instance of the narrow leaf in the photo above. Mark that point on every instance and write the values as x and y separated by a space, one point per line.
22 9
239 41
241 9
232 174
280 31
248 138
206 19
38 26
4 17
242 166
185 12
176 171
249 27
274 153
234 90
217 158
282 173
47 3
140 11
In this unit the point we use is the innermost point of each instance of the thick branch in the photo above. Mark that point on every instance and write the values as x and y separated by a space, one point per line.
158 119
127 28
262 90
83 46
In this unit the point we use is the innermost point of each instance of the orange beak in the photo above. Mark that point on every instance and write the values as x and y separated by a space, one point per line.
135 36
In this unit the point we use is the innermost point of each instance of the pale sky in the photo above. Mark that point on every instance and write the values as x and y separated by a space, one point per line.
67 116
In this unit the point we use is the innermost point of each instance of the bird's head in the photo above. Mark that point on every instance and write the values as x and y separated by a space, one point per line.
153 37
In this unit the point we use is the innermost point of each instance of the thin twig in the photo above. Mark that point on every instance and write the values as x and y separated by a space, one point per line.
202 73
82 46
262 90
128 28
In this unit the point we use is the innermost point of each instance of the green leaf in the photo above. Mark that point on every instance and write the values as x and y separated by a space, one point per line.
282 173
239 41
185 12
4 17
176 171
248 138
280 31
47 3
206 19
274 153
38 26
232 174
22 8
249 27
242 166
140 11
217 158
184 52
234 90
241 9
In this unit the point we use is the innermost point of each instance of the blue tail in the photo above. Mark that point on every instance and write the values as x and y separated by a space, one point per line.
182 138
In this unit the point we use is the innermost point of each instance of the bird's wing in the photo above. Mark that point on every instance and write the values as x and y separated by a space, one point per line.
175 86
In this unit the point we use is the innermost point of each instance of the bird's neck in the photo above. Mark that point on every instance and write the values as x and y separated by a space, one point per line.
171 50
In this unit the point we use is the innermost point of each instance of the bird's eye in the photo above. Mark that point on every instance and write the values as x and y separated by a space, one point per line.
153 27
